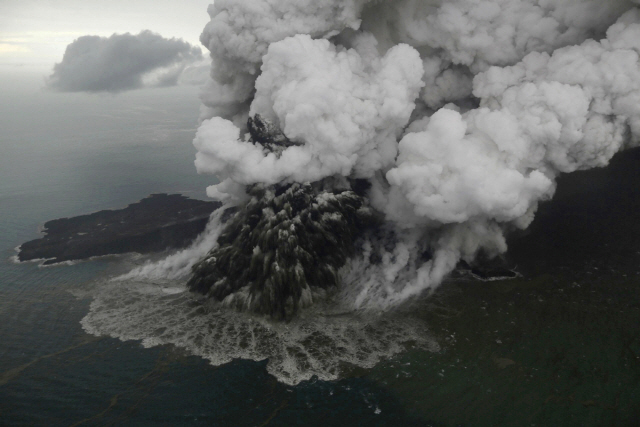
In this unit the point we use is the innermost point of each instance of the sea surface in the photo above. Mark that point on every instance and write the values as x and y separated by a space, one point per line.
558 346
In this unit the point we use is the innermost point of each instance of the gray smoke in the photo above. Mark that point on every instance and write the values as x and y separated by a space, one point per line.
124 62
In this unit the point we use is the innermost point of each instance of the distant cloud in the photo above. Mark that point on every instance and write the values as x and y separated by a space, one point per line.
196 74
123 62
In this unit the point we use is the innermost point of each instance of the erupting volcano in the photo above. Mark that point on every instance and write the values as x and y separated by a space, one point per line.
398 137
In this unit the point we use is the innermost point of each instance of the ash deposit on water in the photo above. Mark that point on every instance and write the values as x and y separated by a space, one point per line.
367 148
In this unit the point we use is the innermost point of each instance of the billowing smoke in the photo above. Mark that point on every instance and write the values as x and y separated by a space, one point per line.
458 114
124 62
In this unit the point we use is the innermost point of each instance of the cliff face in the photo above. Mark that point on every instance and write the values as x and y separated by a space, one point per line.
154 224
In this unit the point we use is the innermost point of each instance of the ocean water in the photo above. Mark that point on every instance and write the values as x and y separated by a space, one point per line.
65 155
558 346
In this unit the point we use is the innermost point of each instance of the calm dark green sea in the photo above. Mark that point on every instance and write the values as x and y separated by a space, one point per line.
559 346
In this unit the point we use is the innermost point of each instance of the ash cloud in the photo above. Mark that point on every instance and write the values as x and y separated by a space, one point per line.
124 62
460 114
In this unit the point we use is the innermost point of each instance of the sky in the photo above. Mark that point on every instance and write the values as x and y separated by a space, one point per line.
35 33
42 124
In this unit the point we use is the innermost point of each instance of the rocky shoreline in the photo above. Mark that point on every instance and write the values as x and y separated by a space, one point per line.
154 224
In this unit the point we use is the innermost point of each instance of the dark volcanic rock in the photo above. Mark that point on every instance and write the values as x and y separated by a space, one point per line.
153 224
268 135
286 242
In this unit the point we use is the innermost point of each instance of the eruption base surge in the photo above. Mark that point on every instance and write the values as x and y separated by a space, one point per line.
285 245
327 340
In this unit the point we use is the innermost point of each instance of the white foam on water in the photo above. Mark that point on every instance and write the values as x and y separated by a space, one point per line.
15 259
323 341
61 263
516 275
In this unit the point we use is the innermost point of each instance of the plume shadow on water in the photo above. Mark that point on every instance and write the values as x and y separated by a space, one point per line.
558 346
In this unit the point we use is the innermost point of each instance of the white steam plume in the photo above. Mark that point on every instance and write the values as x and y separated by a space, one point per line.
179 264
460 113
240 32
